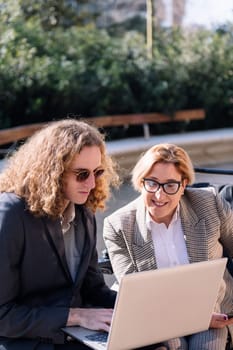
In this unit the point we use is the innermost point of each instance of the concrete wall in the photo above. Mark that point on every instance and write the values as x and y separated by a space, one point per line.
205 148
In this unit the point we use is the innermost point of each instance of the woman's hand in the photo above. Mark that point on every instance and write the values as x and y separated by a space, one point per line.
220 320
95 319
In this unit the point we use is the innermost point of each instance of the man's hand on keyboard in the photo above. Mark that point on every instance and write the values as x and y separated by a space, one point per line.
96 319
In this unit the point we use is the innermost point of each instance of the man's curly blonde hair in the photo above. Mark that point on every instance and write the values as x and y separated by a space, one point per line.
35 171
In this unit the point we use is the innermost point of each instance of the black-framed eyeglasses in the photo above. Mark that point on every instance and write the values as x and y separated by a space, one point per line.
152 186
83 174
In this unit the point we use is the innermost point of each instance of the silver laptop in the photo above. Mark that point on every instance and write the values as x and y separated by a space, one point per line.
157 305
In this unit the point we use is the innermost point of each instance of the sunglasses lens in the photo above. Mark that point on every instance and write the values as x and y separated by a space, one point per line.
98 173
82 176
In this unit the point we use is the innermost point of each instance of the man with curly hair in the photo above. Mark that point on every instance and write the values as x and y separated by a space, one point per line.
49 192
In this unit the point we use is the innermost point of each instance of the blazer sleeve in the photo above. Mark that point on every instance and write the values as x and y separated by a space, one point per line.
18 319
117 244
226 228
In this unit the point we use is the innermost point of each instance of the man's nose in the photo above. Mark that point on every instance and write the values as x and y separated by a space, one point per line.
91 181
159 192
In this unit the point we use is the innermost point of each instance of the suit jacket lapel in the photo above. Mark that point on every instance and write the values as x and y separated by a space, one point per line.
86 226
55 238
194 233
142 245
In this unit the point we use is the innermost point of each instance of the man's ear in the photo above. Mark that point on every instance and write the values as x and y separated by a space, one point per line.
184 182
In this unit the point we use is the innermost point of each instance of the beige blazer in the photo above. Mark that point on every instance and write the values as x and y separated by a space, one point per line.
207 223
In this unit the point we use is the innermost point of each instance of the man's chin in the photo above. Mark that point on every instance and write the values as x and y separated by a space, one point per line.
81 201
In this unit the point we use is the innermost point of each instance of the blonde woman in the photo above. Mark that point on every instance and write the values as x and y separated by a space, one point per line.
171 224
49 193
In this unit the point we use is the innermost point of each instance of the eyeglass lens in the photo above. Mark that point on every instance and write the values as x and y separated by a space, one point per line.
168 187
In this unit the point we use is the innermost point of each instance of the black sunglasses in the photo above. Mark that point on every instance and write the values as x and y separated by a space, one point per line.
83 174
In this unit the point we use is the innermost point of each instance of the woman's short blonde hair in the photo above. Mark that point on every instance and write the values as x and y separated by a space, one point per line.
163 153
35 171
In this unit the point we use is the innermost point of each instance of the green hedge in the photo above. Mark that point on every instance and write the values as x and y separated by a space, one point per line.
86 72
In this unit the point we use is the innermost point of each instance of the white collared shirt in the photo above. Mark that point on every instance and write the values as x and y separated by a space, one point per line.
169 242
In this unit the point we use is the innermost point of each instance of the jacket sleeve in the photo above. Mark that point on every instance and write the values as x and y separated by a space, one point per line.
117 246
225 213
18 319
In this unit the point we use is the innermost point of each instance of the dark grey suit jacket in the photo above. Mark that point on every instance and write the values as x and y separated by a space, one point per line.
36 288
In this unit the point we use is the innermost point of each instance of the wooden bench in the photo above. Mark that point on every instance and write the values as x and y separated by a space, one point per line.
18 133
145 119
14 134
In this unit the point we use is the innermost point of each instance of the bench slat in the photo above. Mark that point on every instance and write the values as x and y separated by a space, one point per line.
21 132
142 118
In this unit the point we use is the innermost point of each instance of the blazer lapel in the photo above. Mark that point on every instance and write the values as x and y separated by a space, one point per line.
142 245
55 237
86 227
194 233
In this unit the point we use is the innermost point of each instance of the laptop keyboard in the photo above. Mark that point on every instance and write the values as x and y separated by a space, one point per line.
101 337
